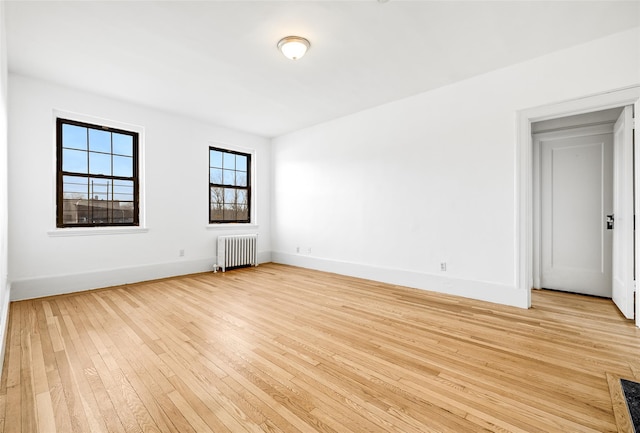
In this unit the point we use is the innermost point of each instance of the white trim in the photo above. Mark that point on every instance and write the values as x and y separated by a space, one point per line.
523 247
70 115
232 226
623 272
575 131
481 290
91 231
636 211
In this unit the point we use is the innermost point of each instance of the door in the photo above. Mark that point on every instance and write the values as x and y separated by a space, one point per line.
576 185
623 233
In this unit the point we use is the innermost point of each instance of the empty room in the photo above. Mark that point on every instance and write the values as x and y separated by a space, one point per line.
303 216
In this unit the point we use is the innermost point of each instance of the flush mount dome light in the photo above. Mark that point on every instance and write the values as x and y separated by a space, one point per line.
293 47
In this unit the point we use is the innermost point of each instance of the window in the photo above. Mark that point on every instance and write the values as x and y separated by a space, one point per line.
229 186
97 175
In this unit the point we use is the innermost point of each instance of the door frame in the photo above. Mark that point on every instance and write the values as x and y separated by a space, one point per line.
524 174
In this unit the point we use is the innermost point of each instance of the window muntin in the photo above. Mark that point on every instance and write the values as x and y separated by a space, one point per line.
97 175
229 186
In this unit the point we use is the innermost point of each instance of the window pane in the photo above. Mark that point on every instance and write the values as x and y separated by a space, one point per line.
217 197
122 190
99 163
74 188
99 141
122 212
215 158
229 161
74 137
241 163
216 214
122 144
74 211
242 196
74 161
243 213
100 189
215 175
241 178
230 196
98 211
123 166
228 177
230 212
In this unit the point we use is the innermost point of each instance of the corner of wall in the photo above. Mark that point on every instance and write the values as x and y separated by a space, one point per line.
5 287
264 257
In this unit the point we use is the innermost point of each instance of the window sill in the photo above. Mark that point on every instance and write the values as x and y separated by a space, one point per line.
231 226
93 231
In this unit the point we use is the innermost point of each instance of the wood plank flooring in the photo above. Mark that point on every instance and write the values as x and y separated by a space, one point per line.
283 349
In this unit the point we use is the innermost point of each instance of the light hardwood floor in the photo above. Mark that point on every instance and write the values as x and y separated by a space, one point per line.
282 349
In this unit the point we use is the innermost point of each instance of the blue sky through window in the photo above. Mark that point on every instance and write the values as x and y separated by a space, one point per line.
99 159
75 137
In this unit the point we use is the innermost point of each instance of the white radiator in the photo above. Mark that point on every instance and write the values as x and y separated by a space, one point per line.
237 250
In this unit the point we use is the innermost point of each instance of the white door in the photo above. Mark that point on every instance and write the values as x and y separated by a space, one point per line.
623 254
576 184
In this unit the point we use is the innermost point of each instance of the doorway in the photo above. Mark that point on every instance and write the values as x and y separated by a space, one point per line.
627 97
573 202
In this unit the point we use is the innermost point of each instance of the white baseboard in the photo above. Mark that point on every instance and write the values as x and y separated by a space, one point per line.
480 290
30 288
60 284
4 326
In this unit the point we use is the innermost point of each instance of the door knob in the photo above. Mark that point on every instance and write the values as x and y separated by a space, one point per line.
610 220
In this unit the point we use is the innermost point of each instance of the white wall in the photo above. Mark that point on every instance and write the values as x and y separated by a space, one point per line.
4 284
391 192
175 197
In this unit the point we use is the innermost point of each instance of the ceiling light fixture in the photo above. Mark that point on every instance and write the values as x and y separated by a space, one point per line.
293 47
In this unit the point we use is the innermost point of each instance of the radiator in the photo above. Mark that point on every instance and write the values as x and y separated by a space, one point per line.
238 250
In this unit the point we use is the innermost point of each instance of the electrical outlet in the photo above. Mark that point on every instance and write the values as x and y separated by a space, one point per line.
181 253
443 266
309 251
298 250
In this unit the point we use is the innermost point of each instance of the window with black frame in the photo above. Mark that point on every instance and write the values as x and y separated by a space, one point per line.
97 175
229 186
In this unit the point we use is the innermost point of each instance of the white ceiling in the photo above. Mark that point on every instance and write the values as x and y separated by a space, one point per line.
217 60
